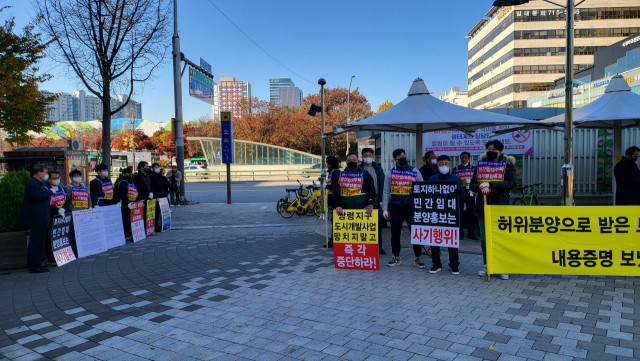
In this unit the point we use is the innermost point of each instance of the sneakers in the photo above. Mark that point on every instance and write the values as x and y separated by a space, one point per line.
435 269
395 261
483 272
455 271
504 276
418 263
381 251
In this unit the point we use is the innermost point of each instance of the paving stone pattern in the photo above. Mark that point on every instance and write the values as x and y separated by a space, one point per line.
271 293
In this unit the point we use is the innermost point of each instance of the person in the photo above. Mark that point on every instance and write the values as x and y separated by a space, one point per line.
628 178
376 172
142 182
496 192
397 205
36 213
158 190
101 188
128 193
430 167
166 185
79 196
444 175
332 167
175 176
59 205
464 171
345 195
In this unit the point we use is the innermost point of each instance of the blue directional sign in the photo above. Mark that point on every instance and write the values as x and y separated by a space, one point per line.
226 138
200 86
204 65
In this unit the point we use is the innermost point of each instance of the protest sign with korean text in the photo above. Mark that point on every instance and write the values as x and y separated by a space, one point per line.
453 142
60 245
151 217
563 240
355 240
113 227
465 175
165 212
490 171
436 214
137 221
88 225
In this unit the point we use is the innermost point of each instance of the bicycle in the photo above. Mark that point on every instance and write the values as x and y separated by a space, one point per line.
286 199
528 199
301 205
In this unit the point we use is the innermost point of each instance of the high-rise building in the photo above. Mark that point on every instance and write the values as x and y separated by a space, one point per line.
274 88
515 52
81 107
455 96
229 93
132 110
290 96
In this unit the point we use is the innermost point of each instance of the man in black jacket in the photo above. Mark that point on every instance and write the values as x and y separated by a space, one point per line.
157 186
376 172
628 179
430 167
465 171
362 197
142 182
101 188
497 192
36 213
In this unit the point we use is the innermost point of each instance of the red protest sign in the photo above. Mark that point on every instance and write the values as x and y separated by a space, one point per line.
491 171
356 256
137 221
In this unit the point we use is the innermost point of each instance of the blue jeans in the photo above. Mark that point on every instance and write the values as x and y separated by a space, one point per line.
483 239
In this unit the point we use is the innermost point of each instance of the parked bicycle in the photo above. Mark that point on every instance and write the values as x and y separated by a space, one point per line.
301 205
287 198
529 198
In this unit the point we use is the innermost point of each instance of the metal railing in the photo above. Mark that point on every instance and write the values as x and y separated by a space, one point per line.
248 175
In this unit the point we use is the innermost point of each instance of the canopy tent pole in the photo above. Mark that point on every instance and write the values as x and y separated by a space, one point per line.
419 148
617 151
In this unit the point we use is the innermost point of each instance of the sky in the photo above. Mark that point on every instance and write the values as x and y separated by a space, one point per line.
386 45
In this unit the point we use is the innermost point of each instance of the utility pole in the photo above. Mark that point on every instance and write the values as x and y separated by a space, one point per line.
568 170
323 172
177 93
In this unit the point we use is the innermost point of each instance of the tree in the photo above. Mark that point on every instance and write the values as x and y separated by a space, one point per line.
201 127
23 107
163 143
384 106
124 141
109 45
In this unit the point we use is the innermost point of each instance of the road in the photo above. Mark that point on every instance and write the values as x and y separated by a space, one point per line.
241 192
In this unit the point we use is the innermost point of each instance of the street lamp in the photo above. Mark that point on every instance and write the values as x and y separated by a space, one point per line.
349 111
568 170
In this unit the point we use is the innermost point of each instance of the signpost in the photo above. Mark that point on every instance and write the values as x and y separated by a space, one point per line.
204 65
227 146
200 86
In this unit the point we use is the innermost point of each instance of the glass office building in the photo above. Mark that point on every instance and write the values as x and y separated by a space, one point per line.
274 88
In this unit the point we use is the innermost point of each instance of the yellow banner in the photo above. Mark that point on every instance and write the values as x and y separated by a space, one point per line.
563 240
355 226
151 209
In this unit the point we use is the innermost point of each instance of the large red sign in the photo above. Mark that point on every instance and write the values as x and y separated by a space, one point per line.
137 221
491 171
356 256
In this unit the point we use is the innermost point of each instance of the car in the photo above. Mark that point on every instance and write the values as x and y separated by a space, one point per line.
195 167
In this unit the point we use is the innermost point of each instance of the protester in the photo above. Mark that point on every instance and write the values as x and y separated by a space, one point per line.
79 195
36 213
142 182
159 191
397 205
59 204
430 167
444 175
628 179
128 193
332 167
376 172
347 197
101 188
166 185
496 192
464 171
175 176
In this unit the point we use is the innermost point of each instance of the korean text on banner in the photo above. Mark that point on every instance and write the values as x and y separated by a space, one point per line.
151 217
355 240
489 171
112 217
436 214
137 221
166 214
563 240
88 225
452 142
60 245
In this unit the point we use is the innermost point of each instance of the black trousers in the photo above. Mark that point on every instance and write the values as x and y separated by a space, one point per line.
469 219
397 216
36 245
454 261
380 219
126 223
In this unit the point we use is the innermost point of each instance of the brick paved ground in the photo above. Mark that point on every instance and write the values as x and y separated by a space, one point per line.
269 292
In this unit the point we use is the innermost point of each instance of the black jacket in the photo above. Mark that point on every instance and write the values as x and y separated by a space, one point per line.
157 186
123 190
35 205
369 189
96 194
627 183
143 183
166 185
427 172
500 191
379 179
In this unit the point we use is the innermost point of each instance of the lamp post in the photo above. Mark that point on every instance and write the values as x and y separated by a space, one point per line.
177 93
322 83
349 111
568 170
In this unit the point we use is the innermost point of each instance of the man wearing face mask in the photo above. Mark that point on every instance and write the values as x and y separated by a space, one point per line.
332 167
101 188
59 205
430 167
444 175
397 206
464 171
128 193
628 179
142 181
36 213
353 187
158 190
376 172
497 192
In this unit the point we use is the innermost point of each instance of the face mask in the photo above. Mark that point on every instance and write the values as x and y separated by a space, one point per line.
434 161
147 170
105 173
46 176
157 170
352 165
77 180
55 182
368 160
492 155
444 169
634 159
402 161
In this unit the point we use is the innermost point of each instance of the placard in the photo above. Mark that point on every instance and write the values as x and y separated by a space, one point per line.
137 221
453 142
355 240
166 213
113 226
465 175
436 214
60 245
151 217
489 171
89 230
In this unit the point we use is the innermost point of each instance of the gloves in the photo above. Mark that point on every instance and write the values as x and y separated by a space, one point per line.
484 185
120 204
486 191
61 212
150 195
130 205
385 214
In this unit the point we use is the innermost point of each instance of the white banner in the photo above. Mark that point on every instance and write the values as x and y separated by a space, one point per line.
90 234
113 226
452 143
166 213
